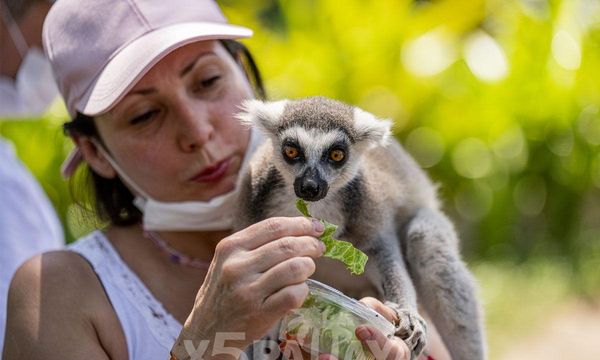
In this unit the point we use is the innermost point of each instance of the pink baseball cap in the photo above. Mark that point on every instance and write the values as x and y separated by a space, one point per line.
99 49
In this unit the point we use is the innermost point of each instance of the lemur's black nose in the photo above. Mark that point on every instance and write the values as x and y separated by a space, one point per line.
309 190
310 186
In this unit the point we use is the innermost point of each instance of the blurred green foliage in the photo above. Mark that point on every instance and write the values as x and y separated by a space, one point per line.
499 100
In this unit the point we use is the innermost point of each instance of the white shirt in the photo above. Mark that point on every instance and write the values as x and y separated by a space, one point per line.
28 223
150 330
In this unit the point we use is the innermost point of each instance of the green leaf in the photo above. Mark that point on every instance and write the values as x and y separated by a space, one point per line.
344 251
329 229
302 207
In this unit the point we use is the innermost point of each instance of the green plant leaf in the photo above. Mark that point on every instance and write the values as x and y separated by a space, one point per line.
344 251
302 207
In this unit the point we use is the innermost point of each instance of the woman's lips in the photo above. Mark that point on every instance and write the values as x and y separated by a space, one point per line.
213 173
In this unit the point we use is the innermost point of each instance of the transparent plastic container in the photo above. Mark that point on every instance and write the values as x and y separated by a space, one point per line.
326 321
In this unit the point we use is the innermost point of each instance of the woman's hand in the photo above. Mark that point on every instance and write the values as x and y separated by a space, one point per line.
398 350
257 275
382 347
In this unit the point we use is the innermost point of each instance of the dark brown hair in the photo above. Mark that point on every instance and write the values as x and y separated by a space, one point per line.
18 8
111 199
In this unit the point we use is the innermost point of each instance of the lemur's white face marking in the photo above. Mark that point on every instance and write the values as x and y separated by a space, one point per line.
324 157
317 141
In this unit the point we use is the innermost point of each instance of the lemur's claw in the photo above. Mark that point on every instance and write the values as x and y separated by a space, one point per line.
411 328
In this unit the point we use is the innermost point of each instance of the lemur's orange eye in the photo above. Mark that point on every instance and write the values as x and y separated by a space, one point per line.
291 152
336 155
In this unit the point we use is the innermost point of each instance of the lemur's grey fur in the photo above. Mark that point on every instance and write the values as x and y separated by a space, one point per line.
383 203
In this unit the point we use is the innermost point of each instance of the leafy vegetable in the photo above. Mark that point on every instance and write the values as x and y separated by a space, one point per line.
344 251
324 325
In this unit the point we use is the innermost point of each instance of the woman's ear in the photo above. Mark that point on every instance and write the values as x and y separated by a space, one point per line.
94 157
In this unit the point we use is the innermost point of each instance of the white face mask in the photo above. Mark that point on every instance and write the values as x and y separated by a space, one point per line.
215 214
34 88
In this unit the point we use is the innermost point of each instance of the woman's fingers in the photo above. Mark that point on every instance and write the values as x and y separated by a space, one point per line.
378 306
380 346
285 299
291 271
270 229
275 252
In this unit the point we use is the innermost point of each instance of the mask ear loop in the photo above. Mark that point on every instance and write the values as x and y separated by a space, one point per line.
15 33
142 196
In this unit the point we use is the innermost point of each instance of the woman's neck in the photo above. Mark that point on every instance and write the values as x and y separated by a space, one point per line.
174 285
197 245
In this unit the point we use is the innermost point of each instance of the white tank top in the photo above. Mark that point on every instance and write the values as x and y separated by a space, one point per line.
150 331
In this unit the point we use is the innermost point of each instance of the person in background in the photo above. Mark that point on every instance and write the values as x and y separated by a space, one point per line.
27 86
28 222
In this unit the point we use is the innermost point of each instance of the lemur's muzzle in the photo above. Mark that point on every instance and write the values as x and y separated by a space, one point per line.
310 186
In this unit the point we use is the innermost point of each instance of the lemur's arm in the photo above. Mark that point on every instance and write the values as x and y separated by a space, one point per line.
243 217
398 289
445 286
255 192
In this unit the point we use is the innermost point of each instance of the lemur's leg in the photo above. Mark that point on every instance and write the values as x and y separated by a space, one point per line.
398 289
445 286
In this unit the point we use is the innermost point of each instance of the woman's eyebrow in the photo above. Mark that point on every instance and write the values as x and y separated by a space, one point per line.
191 65
142 92
185 71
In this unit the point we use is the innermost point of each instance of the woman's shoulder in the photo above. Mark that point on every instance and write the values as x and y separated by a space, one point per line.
76 273
57 282
58 294
62 272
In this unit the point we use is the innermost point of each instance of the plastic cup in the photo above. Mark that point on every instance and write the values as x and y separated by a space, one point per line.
326 321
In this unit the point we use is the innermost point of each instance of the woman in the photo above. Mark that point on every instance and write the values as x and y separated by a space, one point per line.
153 88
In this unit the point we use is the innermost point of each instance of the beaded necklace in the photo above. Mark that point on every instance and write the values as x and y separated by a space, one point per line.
174 255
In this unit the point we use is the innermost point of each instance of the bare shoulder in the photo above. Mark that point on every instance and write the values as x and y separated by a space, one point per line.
57 305
59 269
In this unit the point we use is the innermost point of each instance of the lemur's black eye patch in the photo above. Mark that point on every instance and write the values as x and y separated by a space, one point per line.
337 153
292 152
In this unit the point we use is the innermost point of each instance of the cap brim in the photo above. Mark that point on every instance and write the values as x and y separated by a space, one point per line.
69 166
134 60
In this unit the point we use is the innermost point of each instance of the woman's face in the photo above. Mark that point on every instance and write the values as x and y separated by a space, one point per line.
174 134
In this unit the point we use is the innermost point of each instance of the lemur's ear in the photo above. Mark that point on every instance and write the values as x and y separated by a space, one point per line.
371 129
261 114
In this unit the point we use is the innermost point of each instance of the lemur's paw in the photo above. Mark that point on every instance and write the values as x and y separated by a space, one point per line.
411 328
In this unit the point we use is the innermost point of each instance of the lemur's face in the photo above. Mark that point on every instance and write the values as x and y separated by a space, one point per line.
317 160
317 141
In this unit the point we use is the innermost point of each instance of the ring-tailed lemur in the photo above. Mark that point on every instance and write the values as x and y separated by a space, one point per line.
343 160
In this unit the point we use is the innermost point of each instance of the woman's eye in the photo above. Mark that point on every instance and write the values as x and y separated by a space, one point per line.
143 117
207 83
291 152
336 155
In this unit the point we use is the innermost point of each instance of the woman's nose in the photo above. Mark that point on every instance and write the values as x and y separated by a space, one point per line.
195 127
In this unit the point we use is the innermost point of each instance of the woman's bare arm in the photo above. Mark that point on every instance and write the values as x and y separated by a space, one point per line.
57 309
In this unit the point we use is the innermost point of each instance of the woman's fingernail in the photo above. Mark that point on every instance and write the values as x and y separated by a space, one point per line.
322 246
318 225
363 333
